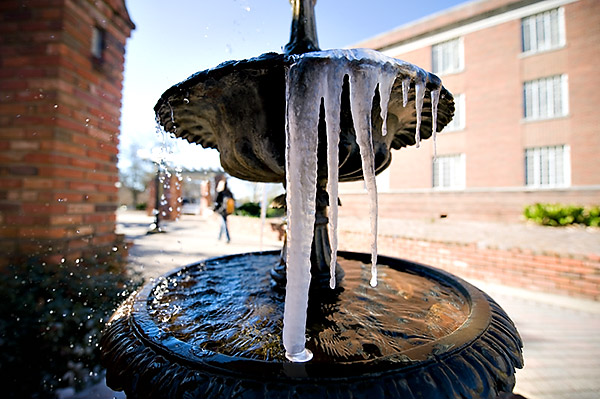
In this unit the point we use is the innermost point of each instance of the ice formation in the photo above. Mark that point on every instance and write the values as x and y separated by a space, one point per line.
312 78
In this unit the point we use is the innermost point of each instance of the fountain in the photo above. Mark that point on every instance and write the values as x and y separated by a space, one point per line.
309 322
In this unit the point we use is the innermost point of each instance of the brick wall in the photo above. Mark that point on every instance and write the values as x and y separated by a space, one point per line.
554 273
59 126
572 275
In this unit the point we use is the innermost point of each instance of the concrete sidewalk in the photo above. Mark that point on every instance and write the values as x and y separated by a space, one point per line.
561 334
187 240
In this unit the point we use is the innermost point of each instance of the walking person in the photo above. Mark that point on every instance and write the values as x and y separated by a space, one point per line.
224 206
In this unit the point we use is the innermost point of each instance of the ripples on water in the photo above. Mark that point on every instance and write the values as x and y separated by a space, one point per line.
228 307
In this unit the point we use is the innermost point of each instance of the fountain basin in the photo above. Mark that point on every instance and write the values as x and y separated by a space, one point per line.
212 329
239 108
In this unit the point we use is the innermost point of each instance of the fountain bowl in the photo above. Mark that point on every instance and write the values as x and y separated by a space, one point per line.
239 108
152 349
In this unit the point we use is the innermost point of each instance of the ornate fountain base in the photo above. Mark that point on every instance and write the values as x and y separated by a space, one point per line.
212 330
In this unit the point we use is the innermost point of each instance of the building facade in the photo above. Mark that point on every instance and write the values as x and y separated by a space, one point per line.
526 127
61 73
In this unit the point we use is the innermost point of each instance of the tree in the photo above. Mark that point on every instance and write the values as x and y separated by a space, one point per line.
135 172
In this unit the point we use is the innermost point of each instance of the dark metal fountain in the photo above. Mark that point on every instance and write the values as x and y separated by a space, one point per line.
213 329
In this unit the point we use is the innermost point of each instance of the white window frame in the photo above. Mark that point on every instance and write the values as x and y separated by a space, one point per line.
544 31
442 52
546 98
449 172
548 166
458 122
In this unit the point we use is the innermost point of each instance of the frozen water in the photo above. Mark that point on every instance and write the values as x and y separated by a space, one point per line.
301 183
405 89
420 95
312 78
362 89
435 99
332 102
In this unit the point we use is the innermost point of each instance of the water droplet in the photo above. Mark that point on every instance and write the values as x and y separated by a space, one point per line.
115 249
185 100
55 106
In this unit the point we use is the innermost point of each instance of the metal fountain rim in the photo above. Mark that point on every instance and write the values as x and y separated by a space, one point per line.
476 324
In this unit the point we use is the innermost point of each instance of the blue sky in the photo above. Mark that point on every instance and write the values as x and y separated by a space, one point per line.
175 39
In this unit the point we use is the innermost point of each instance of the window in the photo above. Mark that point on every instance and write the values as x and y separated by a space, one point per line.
447 57
543 31
98 39
547 166
449 171
458 120
546 98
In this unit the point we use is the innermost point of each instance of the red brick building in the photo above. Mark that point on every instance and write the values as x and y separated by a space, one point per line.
526 129
61 72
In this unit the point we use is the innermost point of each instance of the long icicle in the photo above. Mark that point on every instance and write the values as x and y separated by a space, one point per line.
362 89
301 184
419 96
386 82
435 99
333 95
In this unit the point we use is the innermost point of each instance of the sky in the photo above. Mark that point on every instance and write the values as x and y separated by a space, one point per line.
175 39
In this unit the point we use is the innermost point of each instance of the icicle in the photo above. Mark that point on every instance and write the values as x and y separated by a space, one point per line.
301 183
435 99
419 96
386 82
405 89
333 98
323 79
362 89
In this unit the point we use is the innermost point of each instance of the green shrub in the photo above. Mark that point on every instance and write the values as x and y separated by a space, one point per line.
592 216
141 206
51 317
252 209
562 215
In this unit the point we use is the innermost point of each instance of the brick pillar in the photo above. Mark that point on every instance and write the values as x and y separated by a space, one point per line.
61 72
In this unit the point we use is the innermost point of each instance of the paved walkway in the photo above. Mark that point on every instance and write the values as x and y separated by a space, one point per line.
561 335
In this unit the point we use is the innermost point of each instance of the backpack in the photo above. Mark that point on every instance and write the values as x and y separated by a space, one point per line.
229 205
